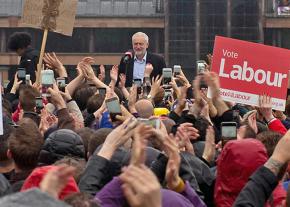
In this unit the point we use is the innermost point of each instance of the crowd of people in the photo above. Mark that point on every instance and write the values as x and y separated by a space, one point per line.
161 149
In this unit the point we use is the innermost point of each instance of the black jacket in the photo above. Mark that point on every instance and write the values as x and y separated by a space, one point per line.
156 60
258 189
96 175
61 143
100 171
29 61
185 171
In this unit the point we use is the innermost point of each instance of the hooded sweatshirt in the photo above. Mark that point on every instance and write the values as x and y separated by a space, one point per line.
38 174
238 161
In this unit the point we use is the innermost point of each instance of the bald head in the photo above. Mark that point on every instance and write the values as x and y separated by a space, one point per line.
144 108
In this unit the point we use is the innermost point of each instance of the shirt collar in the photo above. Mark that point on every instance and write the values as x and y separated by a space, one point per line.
144 58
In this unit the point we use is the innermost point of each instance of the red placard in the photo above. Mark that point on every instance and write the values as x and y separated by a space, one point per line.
247 70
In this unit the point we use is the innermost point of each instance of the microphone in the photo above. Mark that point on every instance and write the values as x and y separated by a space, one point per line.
128 56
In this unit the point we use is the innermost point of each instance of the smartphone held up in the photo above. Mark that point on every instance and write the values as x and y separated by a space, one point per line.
61 84
21 75
47 80
228 132
113 107
167 76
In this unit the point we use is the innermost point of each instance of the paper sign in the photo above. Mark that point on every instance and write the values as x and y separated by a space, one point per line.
57 15
247 70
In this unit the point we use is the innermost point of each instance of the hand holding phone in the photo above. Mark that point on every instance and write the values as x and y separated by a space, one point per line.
21 75
60 82
113 107
138 83
167 95
176 70
167 75
228 131
47 79
38 104
200 66
27 79
155 123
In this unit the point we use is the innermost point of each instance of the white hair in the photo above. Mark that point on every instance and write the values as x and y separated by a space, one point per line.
141 34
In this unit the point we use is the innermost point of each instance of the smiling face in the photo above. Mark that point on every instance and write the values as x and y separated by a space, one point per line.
140 45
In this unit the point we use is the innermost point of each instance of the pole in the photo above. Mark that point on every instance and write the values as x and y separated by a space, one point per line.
39 65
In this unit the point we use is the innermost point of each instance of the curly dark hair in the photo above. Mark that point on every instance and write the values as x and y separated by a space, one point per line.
19 40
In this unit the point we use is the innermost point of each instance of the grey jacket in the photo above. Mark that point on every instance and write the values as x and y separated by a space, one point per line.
31 198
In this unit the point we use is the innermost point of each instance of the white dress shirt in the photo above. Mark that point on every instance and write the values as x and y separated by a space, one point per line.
139 67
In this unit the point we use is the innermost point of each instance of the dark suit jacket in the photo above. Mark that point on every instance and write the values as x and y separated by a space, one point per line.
156 60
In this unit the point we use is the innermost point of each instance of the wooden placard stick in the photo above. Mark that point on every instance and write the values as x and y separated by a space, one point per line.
39 65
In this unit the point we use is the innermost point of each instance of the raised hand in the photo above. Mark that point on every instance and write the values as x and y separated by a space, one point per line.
182 78
148 70
56 97
181 100
183 140
265 107
122 81
156 86
114 73
117 138
191 132
16 84
102 74
141 187
132 99
88 60
209 148
172 169
54 63
141 135
56 179
87 71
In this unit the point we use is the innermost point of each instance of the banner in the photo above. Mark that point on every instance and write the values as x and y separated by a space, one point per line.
55 15
247 70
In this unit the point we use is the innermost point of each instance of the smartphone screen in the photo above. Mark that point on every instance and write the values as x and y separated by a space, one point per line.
138 83
102 91
113 106
38 104
167 75
167 93
27 79
201 66
60 82
155 123
47 77
228 132
21 73
177 70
